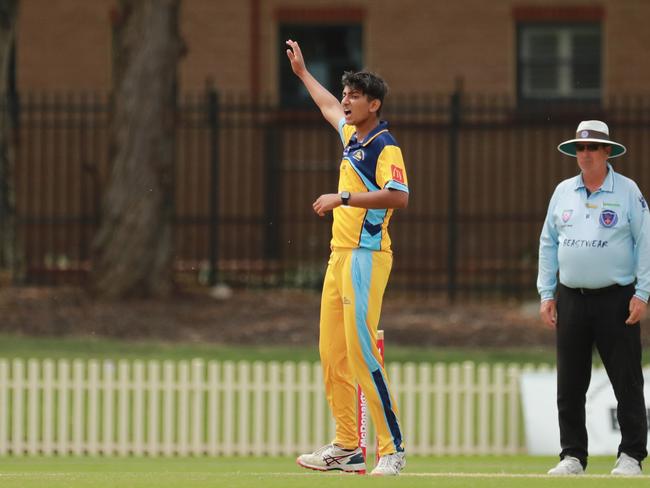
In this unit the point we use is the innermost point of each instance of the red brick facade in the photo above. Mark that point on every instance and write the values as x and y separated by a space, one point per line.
418 45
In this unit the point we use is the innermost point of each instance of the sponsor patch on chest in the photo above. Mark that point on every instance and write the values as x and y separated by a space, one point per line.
608 218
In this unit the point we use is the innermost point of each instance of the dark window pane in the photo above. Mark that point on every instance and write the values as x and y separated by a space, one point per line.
585 46
543 76
543 47
586 75
329 50
585 66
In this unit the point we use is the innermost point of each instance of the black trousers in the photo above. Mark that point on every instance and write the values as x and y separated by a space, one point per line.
585 320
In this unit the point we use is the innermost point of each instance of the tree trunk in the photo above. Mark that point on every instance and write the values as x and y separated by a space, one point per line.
9 257
133 249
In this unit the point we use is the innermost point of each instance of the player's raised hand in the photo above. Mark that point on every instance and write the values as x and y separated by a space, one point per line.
295 57
328 104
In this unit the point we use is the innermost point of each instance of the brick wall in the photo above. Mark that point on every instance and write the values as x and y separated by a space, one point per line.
419 46
63 45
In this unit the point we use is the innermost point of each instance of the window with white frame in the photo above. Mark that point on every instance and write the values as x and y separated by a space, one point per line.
559 61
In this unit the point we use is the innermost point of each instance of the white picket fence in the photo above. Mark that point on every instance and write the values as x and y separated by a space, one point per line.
225 408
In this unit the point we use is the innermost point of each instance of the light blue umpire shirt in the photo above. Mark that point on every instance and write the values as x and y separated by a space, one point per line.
595 241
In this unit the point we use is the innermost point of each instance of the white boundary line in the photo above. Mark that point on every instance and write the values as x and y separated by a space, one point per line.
191 475
517 475
471 475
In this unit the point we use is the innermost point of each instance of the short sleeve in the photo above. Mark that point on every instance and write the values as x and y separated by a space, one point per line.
391 172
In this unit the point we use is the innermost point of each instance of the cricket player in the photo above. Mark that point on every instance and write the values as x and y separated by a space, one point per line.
372 182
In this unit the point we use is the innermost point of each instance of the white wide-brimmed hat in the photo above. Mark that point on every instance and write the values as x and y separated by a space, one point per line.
592 131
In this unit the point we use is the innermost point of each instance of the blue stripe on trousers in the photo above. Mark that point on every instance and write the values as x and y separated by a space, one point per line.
361 276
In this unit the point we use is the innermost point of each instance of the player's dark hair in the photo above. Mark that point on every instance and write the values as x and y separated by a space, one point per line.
371 85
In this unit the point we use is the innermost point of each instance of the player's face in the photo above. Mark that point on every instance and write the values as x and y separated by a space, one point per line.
356 106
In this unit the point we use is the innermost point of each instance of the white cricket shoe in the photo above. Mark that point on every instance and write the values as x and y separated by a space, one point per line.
568 465
331 457
390 464
626 466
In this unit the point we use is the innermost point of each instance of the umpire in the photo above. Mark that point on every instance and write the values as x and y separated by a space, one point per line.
597 236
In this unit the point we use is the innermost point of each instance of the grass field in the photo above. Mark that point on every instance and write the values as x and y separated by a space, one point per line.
15 346
440 472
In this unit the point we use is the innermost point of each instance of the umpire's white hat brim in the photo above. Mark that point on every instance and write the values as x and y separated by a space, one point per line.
592 131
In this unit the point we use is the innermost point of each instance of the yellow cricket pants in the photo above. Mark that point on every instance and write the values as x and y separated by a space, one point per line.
350 307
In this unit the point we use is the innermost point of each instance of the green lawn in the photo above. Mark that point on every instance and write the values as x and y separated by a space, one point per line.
441 472
12 346
18 346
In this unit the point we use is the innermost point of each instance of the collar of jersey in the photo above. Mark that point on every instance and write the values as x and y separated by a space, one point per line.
608 184
380 129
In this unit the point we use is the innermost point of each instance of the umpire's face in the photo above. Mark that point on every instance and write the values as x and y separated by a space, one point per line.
592 156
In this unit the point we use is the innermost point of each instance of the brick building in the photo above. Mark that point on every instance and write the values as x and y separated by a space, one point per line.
481 171
566 49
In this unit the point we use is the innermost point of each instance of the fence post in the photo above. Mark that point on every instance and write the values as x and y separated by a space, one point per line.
452 221
213 124
273 192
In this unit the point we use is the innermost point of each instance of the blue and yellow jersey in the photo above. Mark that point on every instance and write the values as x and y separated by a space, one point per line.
370 165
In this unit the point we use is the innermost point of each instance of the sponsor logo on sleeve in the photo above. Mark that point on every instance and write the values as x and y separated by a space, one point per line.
644 204
397 173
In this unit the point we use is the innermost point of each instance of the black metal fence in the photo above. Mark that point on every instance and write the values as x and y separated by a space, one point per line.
481 171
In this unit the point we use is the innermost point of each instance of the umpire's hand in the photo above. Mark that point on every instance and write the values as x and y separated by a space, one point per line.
548 313
637 311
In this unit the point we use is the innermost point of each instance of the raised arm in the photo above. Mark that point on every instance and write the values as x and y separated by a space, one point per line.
328 104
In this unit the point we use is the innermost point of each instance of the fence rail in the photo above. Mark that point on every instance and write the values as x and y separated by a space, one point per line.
481 171
165 408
